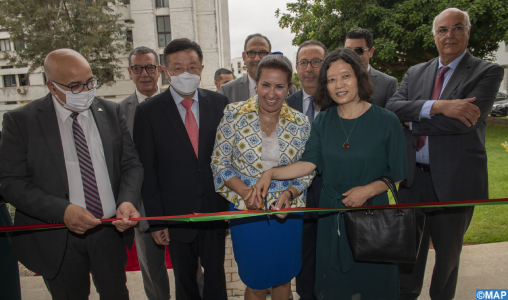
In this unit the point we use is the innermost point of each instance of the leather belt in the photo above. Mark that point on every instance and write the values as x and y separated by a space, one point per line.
423 167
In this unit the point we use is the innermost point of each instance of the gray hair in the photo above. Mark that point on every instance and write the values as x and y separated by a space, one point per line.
143 50
466 18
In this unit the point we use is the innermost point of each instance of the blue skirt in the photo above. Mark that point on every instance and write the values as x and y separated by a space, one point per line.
268 251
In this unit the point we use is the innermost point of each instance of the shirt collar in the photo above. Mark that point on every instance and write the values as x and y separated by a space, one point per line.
142 97
179 98
252 83
63 113
305 95
453 65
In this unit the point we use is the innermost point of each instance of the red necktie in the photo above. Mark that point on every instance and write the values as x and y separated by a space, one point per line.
438 85
92 198
191 125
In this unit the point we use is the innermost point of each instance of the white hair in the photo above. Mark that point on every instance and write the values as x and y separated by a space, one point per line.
466 18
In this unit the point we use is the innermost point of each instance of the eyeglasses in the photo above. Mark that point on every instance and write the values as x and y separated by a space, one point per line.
192 70
359 50
253 53
315 63
456 30
91 84
150 69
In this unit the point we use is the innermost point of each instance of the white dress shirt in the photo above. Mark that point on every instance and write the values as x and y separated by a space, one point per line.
181 109
142 97
94 142
305 104
252 87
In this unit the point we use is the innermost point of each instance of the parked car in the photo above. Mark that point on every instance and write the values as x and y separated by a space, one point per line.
500 107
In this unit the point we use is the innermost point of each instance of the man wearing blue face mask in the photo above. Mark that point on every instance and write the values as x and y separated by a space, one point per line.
69 158
174 133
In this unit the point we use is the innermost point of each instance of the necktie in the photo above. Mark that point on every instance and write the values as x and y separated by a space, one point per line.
92 198
191 125
438 85
310 109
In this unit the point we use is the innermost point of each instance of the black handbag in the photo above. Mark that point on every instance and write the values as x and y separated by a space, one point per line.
385 235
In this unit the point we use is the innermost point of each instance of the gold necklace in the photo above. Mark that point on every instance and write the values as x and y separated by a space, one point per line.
346 144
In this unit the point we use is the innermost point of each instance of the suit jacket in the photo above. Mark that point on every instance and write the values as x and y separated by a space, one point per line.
176 181
238 89
384 87
458 160
128 108
33 175
314 192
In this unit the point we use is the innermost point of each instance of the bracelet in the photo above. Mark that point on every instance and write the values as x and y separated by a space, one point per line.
292 196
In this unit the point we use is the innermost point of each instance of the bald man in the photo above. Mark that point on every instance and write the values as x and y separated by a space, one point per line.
69 158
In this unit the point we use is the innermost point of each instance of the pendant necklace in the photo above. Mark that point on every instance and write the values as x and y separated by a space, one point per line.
268 127
346 144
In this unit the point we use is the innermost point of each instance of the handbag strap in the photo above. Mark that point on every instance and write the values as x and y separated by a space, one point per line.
391 185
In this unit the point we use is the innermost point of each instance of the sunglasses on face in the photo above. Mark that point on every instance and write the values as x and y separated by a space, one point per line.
359 50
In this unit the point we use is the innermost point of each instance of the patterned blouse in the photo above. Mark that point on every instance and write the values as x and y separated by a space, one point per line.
237 151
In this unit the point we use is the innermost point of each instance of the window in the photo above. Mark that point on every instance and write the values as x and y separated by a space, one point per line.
164 30
7 67
18 45
23 80
239 65
163 75
161 3
129 36
239 72
9 80
5 45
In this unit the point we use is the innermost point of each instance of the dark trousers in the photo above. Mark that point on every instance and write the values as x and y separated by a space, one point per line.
446 228
152 263
100 251
305 280
210 247
9 272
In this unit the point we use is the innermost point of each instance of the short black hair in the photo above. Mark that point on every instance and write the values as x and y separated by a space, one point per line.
311 42
257 35
143 50
276 62
221 71
365 86
181 45
361 33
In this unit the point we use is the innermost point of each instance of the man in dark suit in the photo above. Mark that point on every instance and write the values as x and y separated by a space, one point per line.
444 103
174 133
255 48
309 57
68 158
145 70
362 42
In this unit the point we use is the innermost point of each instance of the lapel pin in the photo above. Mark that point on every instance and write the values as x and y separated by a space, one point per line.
100 109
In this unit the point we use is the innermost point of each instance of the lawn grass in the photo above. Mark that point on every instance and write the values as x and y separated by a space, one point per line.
490 222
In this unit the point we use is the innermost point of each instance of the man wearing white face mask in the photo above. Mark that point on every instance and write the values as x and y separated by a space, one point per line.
68 158
174 133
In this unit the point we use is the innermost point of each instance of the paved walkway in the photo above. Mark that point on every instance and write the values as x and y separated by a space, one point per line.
482 266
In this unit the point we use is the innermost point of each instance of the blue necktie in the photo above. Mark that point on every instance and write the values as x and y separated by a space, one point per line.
310 109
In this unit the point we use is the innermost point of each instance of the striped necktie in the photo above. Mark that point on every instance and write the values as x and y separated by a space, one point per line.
310 109
92 198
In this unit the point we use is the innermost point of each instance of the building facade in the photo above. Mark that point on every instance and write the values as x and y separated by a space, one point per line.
501 57
238 67
156 23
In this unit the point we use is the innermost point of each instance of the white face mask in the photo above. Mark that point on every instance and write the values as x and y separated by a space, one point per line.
185 83
76 102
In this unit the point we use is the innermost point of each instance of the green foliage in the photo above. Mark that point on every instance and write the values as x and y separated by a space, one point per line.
296 81
88 26
402 29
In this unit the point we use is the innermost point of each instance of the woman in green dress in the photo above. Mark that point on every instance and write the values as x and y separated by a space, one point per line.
352 143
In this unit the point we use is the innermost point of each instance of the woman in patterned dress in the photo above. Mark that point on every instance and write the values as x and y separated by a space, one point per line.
253 136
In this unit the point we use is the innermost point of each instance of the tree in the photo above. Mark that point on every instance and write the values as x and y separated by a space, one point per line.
402 29
88 26
296 81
